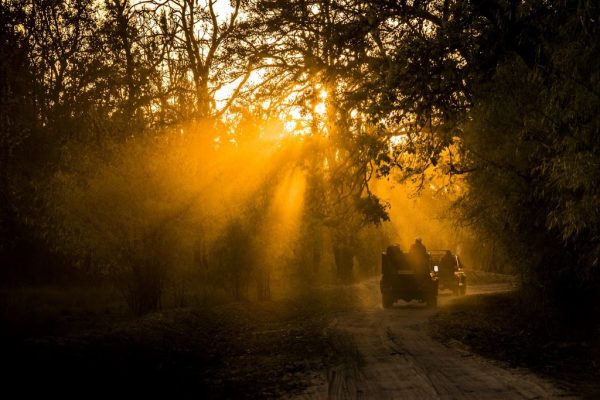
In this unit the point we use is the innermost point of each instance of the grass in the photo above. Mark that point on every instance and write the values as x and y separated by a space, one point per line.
50 310
477 277
502 327
74 341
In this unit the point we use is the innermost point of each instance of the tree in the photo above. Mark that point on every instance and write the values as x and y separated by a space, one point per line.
17 121
136 40
313 53
201 33
514 83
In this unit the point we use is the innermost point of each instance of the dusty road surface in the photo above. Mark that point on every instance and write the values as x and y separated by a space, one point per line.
395 358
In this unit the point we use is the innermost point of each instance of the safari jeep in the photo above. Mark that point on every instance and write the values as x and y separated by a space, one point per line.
399 281
450 273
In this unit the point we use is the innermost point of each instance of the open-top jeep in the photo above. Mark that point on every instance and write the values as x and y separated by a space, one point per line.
402 280
451 274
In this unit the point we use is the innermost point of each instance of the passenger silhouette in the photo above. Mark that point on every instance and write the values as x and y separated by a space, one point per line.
419 257
447 264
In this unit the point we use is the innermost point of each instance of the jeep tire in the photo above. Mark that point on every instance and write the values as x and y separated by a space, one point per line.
386 300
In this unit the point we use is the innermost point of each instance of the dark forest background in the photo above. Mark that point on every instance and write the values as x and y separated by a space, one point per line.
119 162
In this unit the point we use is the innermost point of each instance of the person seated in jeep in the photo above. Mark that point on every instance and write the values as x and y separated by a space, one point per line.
418 257
447 264
397 258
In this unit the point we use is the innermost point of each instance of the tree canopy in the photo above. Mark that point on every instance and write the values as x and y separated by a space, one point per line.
494 102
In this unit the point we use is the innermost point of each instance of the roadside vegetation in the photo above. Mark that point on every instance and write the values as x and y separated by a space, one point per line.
505 328
233 350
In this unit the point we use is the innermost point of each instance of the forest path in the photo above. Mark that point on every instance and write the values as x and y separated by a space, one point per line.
397 358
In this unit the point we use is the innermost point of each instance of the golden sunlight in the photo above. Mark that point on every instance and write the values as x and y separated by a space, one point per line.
254 198
397 140
279 230
321 108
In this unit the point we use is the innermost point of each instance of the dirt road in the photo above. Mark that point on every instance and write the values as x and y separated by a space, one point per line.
397 359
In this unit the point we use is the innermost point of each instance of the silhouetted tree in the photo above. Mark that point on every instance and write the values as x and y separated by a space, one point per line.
509 87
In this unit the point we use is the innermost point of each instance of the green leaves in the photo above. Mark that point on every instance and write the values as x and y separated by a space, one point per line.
372 209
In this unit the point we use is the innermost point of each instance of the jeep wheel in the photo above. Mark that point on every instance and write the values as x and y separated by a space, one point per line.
386 301
432 302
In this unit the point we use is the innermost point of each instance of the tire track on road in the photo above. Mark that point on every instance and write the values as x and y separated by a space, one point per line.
401 361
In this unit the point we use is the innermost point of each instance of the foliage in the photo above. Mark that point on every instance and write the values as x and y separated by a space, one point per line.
116 133
128 211
550 148
516 82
